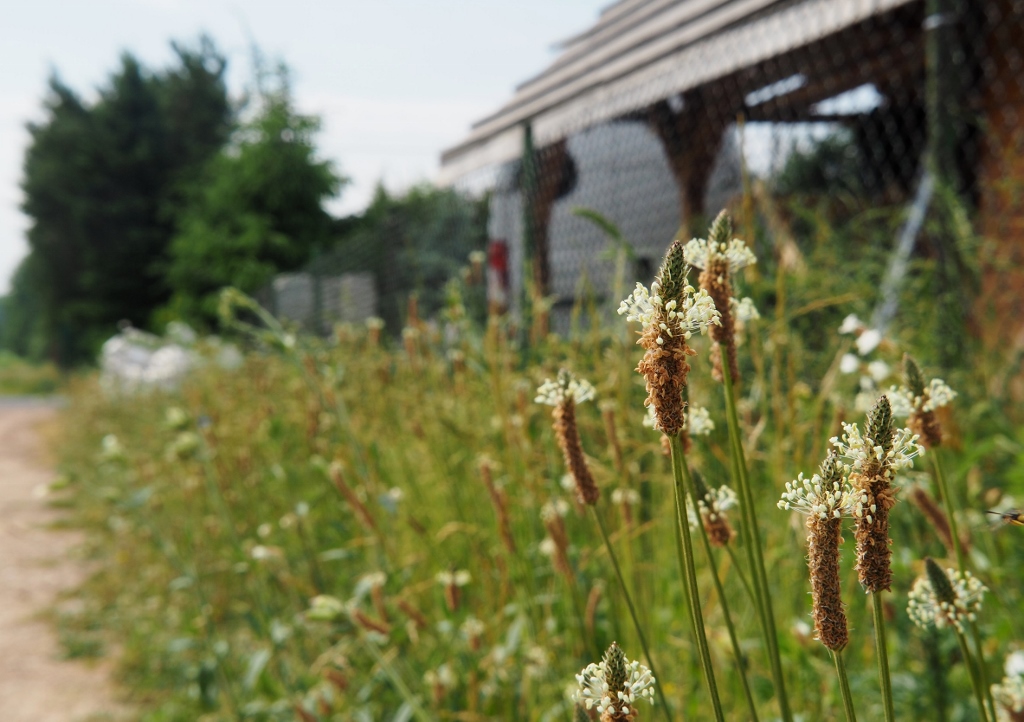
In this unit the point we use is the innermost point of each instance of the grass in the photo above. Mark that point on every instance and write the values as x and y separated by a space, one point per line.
237 578
21 378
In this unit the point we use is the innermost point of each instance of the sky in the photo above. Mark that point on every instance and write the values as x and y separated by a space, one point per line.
394 81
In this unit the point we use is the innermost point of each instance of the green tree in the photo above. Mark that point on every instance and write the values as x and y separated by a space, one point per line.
21 313
257 210
102 186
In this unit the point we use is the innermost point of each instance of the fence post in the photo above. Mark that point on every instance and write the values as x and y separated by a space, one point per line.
528 188
938 79
318 292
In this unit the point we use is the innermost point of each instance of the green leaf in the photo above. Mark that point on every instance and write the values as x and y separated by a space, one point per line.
257 663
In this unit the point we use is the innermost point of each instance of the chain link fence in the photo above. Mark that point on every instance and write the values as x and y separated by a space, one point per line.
886 133
428 243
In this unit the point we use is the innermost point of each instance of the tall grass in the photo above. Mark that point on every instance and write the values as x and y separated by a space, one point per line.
22 378
311 537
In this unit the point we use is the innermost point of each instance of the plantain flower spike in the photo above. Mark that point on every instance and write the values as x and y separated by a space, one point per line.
825 499
712 504
917 402
936 517
944 598
1009 694
613 685
563 394
669 314
720 256
872 462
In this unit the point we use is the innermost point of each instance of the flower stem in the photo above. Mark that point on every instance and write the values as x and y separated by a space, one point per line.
722 599
883 656
689 574
585 639
384 662
752 541
982 672
738 570
659 681
947 501
979 695
961 562
844 686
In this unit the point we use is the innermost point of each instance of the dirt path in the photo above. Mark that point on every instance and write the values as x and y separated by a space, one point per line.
35 684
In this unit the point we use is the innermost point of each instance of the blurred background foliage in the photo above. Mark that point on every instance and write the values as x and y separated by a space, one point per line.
103 184
147 200
413 243
256 209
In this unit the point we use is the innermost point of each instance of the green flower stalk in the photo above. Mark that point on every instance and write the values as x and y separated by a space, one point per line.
948 598
669 314
720 257
918 402
872 462
563 393
712 506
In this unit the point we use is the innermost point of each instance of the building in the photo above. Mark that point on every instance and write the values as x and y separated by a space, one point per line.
636 118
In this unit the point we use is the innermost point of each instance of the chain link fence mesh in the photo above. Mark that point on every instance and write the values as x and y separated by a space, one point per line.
887 130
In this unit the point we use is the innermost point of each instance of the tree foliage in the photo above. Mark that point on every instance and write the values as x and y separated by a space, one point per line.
103 183
146 201
258 210
20 311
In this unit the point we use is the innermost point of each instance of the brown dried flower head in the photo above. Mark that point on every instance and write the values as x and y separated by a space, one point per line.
872 461
937 518
825 498
918 402
452 582
358 507
557 544
500 503
563 394
720 256
713 505
669 314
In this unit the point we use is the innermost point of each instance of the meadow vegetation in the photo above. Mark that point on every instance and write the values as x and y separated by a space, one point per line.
376 528
19 377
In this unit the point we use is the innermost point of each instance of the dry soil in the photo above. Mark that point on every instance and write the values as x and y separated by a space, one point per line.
36 564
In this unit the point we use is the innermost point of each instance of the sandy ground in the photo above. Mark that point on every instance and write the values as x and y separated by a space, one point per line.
36 685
